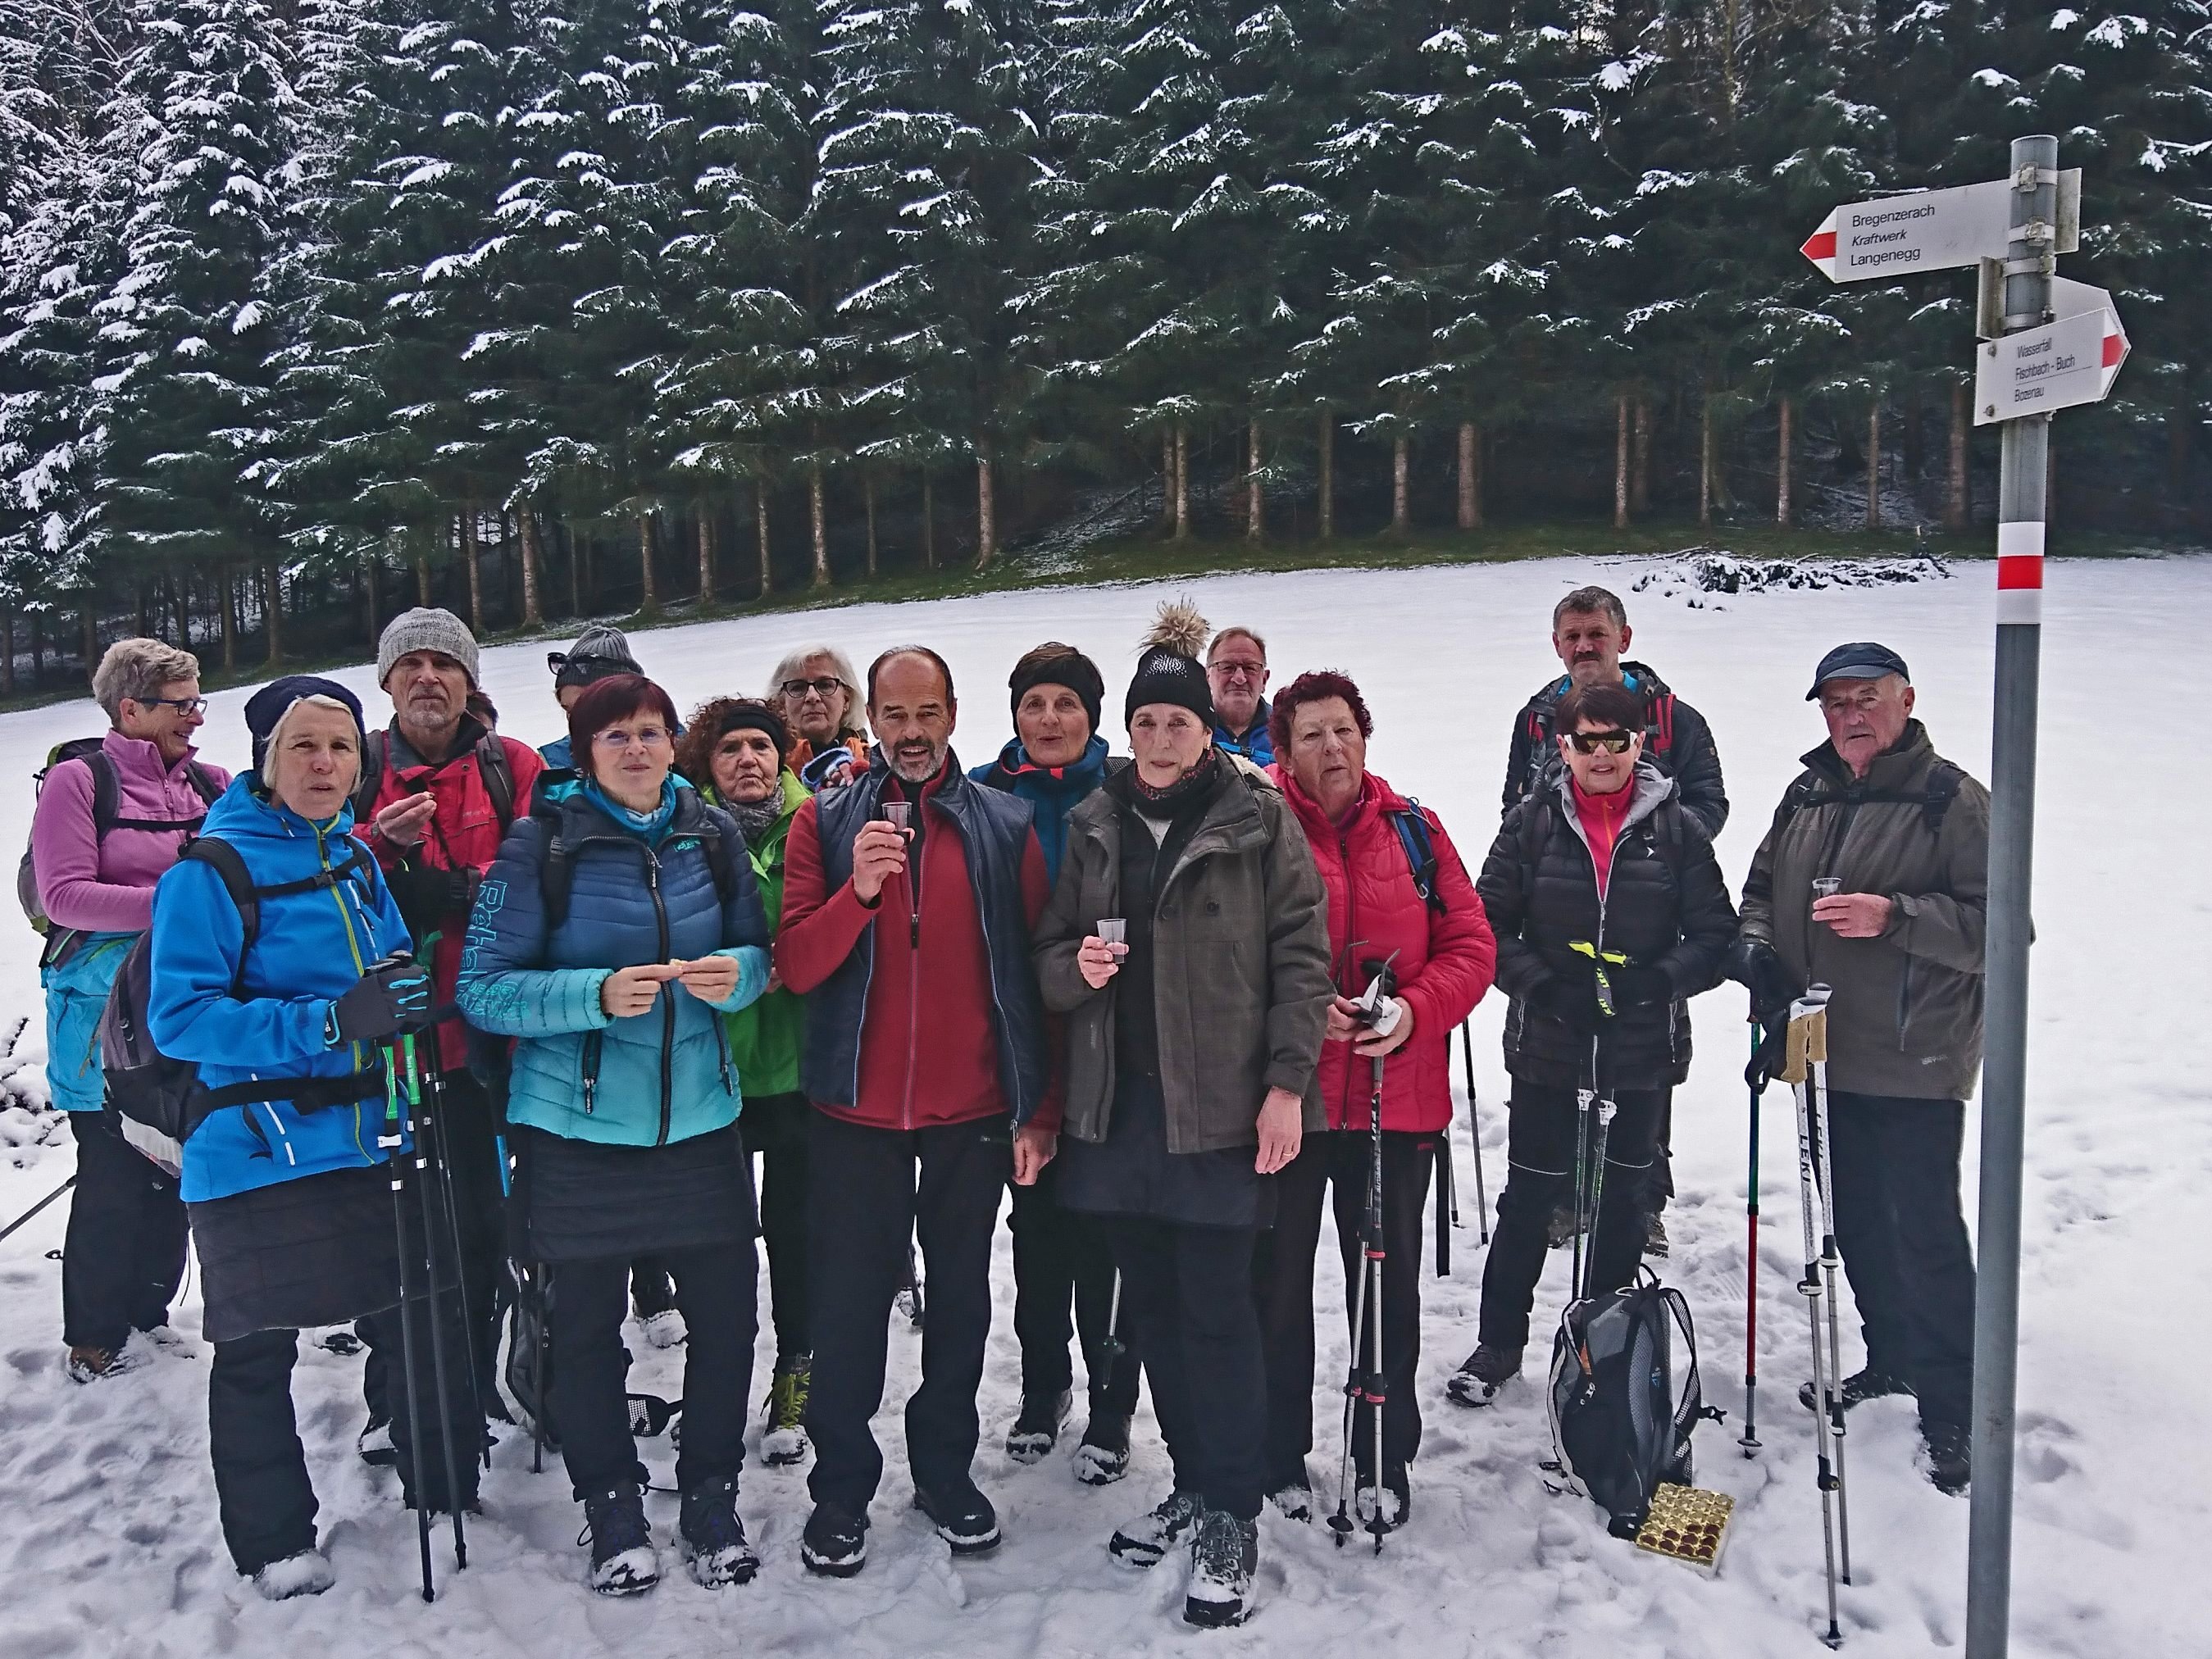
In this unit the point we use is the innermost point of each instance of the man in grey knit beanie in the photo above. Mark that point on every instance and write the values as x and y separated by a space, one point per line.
426 629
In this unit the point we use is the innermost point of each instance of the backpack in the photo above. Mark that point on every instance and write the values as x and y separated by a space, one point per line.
1623 1399
1944 779
156 1102
492 766
106 814
1412 824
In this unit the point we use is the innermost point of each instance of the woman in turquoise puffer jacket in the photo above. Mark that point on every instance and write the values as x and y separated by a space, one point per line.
618 924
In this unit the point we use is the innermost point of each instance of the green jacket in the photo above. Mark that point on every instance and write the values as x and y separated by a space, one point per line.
765 1036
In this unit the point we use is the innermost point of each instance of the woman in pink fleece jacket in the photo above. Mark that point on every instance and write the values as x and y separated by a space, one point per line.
123 1256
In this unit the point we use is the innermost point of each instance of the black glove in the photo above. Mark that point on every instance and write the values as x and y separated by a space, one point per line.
1638 987
391 997
1767 1059
1753 964
1573 1002
428 898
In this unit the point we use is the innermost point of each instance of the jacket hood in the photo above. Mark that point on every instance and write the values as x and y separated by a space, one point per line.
1641 675
1014 767
242 813
1652 787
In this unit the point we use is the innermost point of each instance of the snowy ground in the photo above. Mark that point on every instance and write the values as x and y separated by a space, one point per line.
108 1540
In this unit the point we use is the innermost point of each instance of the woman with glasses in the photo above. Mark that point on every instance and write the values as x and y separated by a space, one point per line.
614 927
113 813
812 690
1609 912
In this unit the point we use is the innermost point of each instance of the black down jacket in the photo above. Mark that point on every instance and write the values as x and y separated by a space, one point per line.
1665 907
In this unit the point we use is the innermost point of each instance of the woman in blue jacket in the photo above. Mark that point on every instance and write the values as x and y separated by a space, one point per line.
617 922
291 1209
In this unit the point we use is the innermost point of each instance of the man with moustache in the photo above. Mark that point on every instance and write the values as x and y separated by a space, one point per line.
908 899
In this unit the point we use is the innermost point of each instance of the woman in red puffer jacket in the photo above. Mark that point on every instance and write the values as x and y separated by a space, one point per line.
1443 959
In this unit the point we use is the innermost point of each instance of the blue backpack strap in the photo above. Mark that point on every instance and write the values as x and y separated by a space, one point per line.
1412 827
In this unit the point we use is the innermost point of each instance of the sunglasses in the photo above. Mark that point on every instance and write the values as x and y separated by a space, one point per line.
826 687
1614 742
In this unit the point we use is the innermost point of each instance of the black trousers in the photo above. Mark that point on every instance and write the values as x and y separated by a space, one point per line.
1904 1242
714 1291
1661 1187
1334 1163
776 1126
1540 1176
265 1499
1062 1258
122 1255
465 1133
1187 1292
864 1201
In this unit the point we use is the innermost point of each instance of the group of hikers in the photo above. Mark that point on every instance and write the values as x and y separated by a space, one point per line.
1162 996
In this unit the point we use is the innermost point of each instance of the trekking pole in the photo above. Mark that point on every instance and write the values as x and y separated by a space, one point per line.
38 1207
1749 1438
1112 1348
423 1181
389 1141
442 1163
1378 1384
1447 1201
1801 1016
1584 1100
1816 1055
1474 1133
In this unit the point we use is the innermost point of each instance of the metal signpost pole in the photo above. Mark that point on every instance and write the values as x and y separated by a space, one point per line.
2028 271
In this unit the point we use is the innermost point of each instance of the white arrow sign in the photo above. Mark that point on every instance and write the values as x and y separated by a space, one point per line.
2071 361
1921 230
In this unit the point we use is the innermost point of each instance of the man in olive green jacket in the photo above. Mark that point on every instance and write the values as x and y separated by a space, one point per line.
1905 834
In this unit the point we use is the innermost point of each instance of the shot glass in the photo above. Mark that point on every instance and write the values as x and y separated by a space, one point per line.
899 813
1827 886
1113 930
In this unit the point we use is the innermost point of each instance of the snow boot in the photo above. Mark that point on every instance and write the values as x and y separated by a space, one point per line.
715 1546
784 1440
1655 1237
307 1573
1481 1374
98 1364
1103 1456
1950 1448
375 1444
622 1559
1868 1384
834 1544
1293 1498
1037 1426
1396 1497
1224 1555
1143 1542
963 1517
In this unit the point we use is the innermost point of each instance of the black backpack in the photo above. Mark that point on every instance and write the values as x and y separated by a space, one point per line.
1624 1398
156 1102
107 815
1412 824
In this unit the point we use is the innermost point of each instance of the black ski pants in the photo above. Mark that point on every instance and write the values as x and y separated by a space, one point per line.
1187 1293
872 1191
1540 1176
774 1126
1062 1259
122 1255
715 1291
1904 1241
1334 1163
266 1501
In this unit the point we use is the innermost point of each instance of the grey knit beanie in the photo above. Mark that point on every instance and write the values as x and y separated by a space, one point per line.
426 629
600 653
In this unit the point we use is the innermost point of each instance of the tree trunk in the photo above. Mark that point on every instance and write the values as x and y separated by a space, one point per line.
649 601
1913 456
273 612
868 496
821 530
7 653
986 515
533 606
37 648
1958 497
229 622
1620 464
1326 504
470 552
368 584
1782 470
575 571
1639 483
1401 508
1256 506
1470 477
760 530
139 593
1181 482
1873 466
1167 478
928 520
90 617
423 579
180 594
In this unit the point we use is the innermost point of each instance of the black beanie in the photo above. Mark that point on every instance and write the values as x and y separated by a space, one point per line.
745 716
1166 676
268 706
1054 664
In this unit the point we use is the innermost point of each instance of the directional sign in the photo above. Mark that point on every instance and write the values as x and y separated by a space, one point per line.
1922 230
2073 360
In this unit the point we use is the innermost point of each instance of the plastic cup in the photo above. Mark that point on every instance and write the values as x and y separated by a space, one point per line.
1113 930
899 812
1827 886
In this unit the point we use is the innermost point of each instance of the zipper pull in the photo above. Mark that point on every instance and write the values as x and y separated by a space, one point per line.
591 1088
913 929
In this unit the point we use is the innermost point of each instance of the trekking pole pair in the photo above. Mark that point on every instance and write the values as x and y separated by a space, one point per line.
1806 1070
1595 1105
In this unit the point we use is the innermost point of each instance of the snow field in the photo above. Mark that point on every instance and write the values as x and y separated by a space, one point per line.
108 1534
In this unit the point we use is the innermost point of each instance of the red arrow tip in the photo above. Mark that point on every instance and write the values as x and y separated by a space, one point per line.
1820 245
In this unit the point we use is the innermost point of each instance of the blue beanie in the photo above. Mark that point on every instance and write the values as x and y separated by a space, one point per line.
266 708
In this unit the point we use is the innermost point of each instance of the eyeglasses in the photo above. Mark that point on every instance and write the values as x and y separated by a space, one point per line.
1614 742
648 737
1239 670
821 688
185 706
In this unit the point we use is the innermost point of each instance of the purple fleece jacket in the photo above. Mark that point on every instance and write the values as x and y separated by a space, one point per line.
107 887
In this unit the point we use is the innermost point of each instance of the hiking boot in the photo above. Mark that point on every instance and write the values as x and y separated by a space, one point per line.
1950 1448
375 1444
306 1573
963 1517
1868 1384
1143 1542
1396 1499
97 1365
1481 1375
622 1559
664 1329
834 1544
1293 1499
1224 1555
715 1546
784 1440
1037 1427
1655 1237
1103 1456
